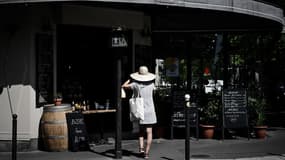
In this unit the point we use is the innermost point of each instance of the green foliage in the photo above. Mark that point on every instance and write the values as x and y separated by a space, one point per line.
237 60
258 105
210 113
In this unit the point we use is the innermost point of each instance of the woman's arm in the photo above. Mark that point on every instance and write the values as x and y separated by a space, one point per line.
126 84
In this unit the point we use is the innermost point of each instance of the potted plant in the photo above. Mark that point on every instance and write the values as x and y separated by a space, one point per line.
258 105
209 116
58 99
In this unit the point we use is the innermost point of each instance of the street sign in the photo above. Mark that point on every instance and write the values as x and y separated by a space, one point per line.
119 42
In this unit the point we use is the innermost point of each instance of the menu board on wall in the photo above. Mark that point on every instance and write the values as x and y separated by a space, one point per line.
44 69
235 111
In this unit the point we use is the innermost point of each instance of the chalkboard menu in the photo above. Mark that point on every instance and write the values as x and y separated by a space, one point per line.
178 100
178 111
44 69
234 111
77 134
178 118
178 104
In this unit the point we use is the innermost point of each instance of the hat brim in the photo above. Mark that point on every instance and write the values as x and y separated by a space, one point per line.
142 78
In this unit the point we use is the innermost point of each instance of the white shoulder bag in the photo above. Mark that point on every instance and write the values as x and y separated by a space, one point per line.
136 107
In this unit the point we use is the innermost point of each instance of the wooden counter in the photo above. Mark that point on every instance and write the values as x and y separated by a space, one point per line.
98 111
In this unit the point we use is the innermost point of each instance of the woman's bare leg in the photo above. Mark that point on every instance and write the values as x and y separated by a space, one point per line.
149 139
141 139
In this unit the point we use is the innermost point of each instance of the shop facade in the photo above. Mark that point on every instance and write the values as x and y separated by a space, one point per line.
48 48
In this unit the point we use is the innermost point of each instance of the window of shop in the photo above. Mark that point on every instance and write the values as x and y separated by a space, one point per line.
86 71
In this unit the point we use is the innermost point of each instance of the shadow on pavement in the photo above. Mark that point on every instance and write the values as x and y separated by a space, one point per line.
111 153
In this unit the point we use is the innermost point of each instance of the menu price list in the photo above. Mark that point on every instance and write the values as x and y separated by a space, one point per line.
235 112
78 137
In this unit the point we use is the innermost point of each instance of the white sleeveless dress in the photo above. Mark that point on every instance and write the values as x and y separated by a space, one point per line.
146 92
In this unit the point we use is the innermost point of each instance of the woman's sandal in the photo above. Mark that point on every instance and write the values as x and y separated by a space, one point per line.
141 151
146 156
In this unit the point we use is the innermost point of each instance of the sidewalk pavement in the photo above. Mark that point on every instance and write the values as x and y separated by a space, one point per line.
240 148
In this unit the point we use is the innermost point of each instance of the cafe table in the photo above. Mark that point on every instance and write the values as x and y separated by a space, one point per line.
99 112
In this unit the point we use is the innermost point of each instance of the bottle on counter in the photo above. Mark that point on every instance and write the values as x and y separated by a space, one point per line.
84 106
77 107
87 105
73 106
107 105
97 105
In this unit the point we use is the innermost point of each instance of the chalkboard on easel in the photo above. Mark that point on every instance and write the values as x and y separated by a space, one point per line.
178 118
235 108
77 134
178 109
178 112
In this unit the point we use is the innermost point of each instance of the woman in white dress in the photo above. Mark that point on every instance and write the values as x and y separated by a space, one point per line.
142 82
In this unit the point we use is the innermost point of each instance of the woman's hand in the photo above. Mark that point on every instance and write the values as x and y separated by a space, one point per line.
126 84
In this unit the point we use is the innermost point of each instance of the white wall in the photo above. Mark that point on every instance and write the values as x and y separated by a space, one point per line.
17 59
18 68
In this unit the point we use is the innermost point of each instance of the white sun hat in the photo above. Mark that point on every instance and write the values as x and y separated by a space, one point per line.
143 75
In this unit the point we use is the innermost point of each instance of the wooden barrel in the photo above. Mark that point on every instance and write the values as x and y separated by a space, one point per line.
54 129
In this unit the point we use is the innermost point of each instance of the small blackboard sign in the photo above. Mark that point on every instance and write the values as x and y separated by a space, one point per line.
178 118
235 108
77 134
178 98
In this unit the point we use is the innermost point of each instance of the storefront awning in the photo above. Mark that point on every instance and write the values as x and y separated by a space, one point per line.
252 11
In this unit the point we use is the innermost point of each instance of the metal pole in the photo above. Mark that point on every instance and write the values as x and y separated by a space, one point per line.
119 111
118 43
14 137
187 127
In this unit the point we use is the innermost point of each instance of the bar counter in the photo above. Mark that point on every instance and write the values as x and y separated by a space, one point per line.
98 111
